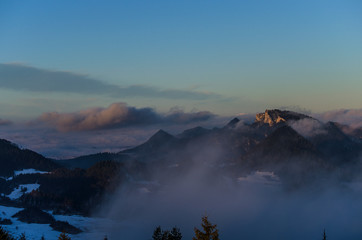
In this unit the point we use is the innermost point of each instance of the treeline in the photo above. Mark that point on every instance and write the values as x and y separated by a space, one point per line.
209 231
68 191
4 235
12 158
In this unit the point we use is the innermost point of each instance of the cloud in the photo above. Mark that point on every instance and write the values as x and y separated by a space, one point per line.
118 115
351 117
25 78
308 127
4 122
180 117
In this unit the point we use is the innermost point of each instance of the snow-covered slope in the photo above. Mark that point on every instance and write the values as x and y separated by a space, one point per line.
22 189
90 226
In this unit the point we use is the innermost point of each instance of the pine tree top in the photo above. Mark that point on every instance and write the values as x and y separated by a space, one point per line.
210 232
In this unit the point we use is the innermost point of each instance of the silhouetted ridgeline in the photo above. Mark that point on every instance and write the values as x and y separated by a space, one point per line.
13 158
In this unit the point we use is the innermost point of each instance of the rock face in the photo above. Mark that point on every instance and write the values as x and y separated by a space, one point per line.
276 116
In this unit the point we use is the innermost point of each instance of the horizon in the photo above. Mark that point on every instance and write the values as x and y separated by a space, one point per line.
57 143
73 69
86 86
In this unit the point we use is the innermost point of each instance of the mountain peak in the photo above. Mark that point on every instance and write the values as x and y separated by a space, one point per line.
233 122
161 136
193 132
276 116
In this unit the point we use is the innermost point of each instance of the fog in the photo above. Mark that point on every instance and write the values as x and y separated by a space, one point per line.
246 207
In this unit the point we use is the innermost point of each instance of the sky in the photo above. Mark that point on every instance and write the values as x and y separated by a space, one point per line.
77 63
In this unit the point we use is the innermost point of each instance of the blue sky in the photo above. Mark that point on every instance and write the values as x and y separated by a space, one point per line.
254 54
198 58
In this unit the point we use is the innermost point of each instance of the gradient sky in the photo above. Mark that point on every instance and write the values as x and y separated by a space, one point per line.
239 56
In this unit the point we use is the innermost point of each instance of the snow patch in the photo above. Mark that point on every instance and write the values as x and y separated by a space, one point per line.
23 189
94 228
29 171
24 171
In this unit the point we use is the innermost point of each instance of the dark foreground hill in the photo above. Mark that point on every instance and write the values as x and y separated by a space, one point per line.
14 158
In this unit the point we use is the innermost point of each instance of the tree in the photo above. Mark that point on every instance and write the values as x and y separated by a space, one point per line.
64 236
157 234
210 232
166 235
175 234
22 237
4 235
324 235
42 238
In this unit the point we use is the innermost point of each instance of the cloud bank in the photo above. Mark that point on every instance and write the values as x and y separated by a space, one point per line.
308 127
4 122
351 117
25 78
119 115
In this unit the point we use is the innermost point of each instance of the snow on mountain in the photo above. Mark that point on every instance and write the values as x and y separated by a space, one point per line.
92 227
22 189
24 171
29 171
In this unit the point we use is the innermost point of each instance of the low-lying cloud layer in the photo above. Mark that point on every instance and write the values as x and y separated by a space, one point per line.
351 117
308 127
25 78
244 209
119 115
4 122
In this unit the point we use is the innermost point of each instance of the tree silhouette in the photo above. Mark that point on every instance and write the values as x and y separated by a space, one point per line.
22 237
210 232
174 234
324 235
63 236
4 235
157 234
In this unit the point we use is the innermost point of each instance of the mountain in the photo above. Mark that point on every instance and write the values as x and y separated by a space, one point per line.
272 143
233 123
193 133
276 116
13 158
89 160
335 145
269 143
161 140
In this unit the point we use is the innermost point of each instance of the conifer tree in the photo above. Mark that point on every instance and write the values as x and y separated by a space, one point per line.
157 234
4 235
22 237
210 232
166 235
175 234
324 235
64 236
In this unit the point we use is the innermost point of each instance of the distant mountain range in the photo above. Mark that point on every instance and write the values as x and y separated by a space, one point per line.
271 136
299 149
